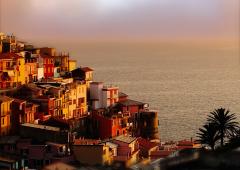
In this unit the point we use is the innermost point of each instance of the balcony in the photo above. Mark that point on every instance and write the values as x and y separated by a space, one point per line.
114 96
10 68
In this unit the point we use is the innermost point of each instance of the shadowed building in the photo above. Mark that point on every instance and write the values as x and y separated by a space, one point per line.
146 125
42 133
5 115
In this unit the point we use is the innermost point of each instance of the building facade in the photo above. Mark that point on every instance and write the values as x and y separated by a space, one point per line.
5 114
12 70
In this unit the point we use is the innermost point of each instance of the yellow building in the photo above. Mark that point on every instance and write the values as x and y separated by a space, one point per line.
78 100
5 114
92 153
70 97
12 70
65 104
72 65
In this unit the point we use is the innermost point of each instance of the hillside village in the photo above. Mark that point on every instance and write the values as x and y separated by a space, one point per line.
53 111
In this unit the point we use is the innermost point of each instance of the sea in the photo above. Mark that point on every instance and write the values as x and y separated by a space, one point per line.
183 82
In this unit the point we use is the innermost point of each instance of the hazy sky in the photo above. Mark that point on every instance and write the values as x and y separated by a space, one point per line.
120 19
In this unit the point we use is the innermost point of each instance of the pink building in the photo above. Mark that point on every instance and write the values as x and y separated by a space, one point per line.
127 150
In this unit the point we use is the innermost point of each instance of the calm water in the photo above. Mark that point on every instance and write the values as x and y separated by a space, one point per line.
184 83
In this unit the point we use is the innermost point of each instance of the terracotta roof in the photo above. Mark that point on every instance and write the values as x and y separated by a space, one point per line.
31 87
37 126
56 122
86 69
130 102
121 94
161 153
19 101
9 56
125 139
146 143
185 143
5 99
86 142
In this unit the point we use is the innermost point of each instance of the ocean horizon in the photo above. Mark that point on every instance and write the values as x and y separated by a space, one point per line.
182 82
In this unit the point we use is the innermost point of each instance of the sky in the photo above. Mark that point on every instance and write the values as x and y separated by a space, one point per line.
99 20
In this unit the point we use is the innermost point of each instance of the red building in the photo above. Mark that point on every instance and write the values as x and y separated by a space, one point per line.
122 97
48 65
131 106
109 126
46 105
125 104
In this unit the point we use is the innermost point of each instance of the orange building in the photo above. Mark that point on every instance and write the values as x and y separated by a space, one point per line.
23 112
5 114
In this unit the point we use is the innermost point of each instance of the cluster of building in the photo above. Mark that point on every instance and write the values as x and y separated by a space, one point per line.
51 111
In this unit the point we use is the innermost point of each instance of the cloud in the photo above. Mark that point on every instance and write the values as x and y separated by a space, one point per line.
120 18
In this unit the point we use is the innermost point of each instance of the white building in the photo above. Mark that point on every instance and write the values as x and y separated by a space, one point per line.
103 96
40 73
57 71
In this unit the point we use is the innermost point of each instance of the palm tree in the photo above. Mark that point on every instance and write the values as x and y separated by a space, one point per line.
235 139
208 135
224 121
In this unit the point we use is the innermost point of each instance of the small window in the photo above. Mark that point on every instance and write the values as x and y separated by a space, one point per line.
7 64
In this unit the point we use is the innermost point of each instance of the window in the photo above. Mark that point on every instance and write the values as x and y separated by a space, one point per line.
58 70
3 120
8 84
7 64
